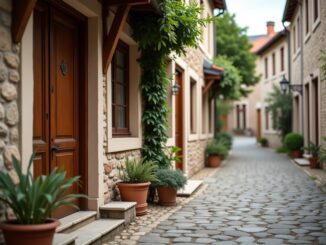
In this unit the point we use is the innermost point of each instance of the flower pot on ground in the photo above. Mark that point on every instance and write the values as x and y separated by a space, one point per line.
216 150
32 202
314 151
168 182
226 137
294 143
136 178
263 142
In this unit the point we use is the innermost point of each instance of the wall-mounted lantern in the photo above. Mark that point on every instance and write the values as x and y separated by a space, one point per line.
286 86
175 87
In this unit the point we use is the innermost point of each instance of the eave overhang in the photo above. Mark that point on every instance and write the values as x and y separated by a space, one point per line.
212 75
289 10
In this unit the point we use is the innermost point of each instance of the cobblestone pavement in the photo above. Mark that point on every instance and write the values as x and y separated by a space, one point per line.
258 197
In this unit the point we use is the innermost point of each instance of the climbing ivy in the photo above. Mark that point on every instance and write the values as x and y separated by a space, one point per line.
176 27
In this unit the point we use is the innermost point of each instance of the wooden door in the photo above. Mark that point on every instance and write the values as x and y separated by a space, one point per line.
179 117
56 94
258 133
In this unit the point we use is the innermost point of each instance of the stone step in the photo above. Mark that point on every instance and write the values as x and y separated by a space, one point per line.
302 161
64 239
98 231
119 210
76 220
190 188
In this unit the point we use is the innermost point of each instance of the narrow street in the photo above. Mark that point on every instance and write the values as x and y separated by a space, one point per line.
258 197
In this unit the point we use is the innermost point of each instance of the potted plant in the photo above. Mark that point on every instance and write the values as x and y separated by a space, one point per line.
226 137
294 143
168 182
135 180
216 151
32 202
313 150
264 142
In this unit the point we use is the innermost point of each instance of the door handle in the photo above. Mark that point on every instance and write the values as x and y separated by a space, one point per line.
55 148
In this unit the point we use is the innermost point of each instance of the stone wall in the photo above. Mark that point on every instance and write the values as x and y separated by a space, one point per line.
9 82
196 156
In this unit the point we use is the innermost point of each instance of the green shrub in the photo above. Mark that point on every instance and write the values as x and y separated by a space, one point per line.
226 137
138 171
263 141
282 149
170 178
293 141
34 200
216 148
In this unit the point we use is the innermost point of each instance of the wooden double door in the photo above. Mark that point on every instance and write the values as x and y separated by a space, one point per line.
59 130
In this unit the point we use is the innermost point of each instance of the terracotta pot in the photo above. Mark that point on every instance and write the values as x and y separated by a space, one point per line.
41 234
313 162
296 154
167 196
135 193
214 161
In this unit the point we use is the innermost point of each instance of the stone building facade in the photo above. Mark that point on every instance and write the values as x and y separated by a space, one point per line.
307 32
9 90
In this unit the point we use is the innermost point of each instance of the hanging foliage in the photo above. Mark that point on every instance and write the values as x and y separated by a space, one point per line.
177 27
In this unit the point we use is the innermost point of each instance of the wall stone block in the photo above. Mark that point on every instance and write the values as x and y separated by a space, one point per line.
8 153
9 92
12 60
12 114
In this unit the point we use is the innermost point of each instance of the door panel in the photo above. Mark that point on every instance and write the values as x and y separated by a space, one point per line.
179 118
56 94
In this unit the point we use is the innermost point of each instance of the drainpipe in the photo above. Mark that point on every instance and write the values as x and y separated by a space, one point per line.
301 64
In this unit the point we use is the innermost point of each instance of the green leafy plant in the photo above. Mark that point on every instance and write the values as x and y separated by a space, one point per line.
170 178
238 130
280 107
313 149
263 141
226 137
282 149
293 141
34 200
216 148
177 27
138 171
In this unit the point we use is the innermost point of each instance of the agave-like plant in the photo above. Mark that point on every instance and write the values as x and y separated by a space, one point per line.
138 171
34 200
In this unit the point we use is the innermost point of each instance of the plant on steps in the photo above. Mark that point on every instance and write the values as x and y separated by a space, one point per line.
226 137
167 184
313 150
136 178
33 201
294 143
216 151
263 141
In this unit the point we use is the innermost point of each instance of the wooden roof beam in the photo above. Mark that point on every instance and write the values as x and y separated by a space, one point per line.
111 40
208 86
22 11
129 2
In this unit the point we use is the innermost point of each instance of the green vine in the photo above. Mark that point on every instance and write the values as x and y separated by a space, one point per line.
177 27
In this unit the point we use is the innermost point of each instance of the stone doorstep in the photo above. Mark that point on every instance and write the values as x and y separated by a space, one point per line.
75 221
190 188
301 161
98 231
119 210
64 239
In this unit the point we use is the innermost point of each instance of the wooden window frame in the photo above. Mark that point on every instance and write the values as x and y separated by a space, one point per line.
294 40
266 67
273 64
282 58
193 103
307 15
266 119
316 10
116 132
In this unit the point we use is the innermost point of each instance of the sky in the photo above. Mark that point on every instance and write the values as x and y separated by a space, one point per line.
255 13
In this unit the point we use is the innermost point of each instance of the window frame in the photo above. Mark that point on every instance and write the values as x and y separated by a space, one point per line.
118 132
273 64
282 59
266 67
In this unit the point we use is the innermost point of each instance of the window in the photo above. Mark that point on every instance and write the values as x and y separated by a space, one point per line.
282 59
120 91
298 32
307 15
273 60
316 10
266 67
193 116
294 40
266 118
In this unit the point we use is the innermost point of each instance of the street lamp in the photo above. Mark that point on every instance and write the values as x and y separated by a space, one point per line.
284 83
285 86
175 87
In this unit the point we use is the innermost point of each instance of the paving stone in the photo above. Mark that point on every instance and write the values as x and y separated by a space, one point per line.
252 229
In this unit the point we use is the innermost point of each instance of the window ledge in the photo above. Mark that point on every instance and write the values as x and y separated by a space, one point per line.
316 24
124 144
296 55
193 137
307 37
170 142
